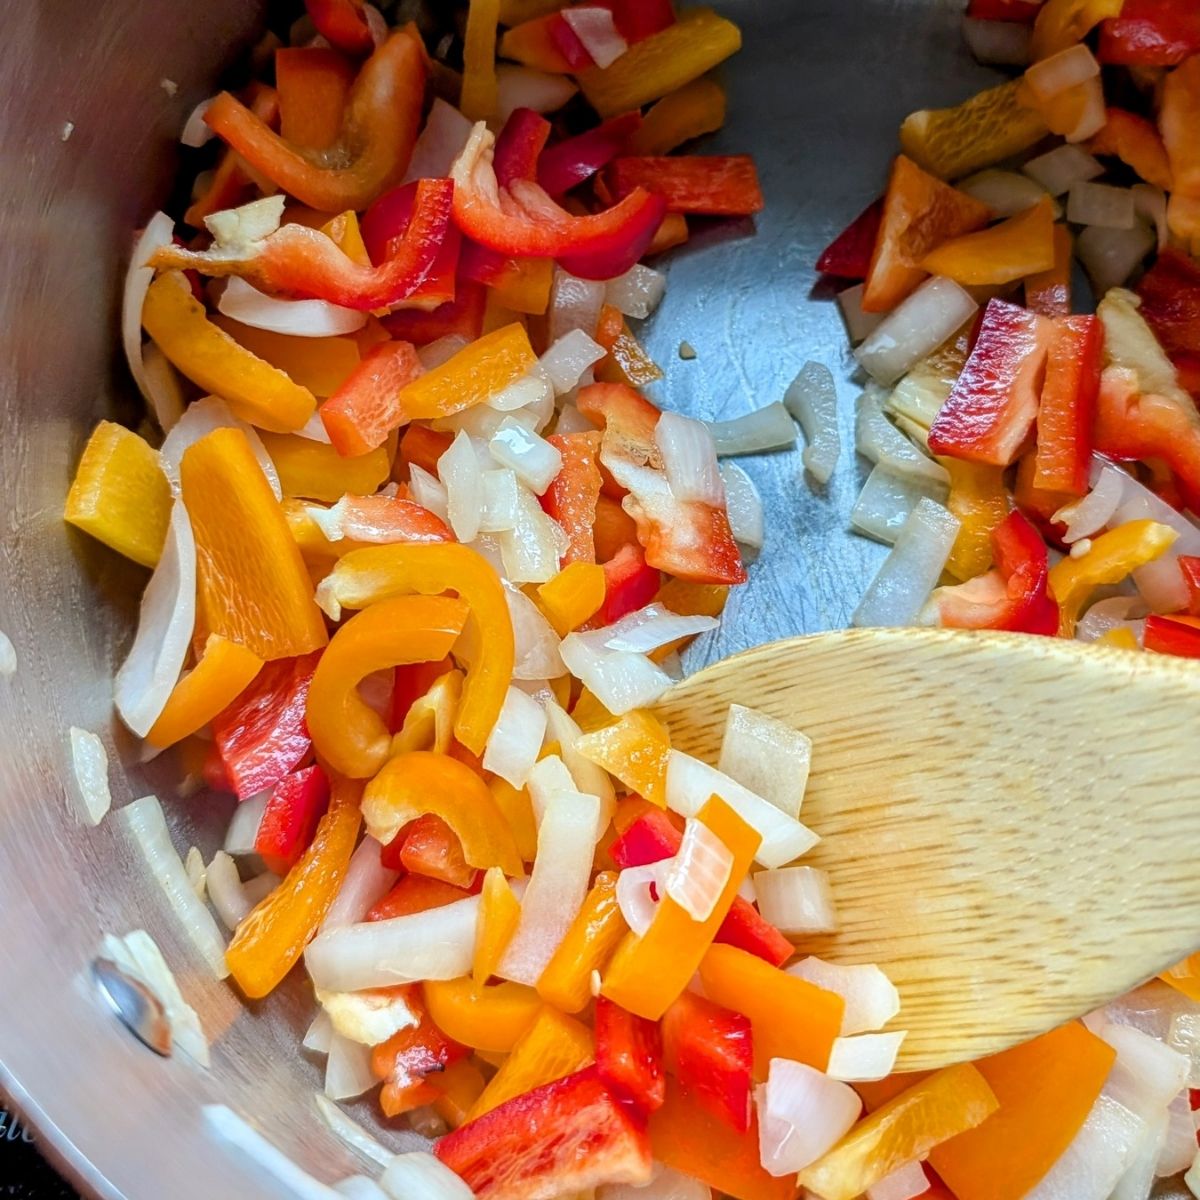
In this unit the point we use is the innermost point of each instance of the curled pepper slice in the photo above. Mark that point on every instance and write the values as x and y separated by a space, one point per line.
484 1018
224 671
346 731
594 935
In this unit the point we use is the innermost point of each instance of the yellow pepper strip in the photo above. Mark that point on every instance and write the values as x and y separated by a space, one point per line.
1062 23
252 585
120 495
517 808
319 364
316 471
345 730
553 1046
365 576
270 940
484 1018
308 534
411 785
647 973
635 749
905 1128
661 63
573 596
256 391
1121 638
692 111
524 287
479 94
224 671
693 599
1021 246
344 231
459 1086
1112 556
589 714
499 915
514 12
429 724
591 940
979 499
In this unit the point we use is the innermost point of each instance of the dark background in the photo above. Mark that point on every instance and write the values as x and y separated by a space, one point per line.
24 1174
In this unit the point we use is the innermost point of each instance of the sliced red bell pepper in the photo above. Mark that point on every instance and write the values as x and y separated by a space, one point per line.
848 256
1189 566
629 1055
571 498
383 227
568 44
342 23
1165 636
1170 293
711 185
1068 405
422 447
463 315
216 778
636 20
1187 366
652 837
559 1139
407 1057
710 1051
993 404
263 735
359 416
519 145
629 584
290 818
569 163
410 682
432 848
413 893
1151 33
1023 12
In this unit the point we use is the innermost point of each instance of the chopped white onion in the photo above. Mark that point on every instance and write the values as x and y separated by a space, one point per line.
640 891
1150 203
886 500
89 762
1005 192
1066 69
997 43
420 1176
532 549
227 892
196 131
533 459
859 324
242 835
167 401
1111 256
1088 515
199 419
570 419
574 304
699 872
871 997
1192 1178
549 778
802 1113
523 87
744 506
367 880
1183 1035
318 1034
238 229
516 738
442 350
866 1057
648 629
144 820
537 655
665 1184
271 1162
8 657
595 28
1137 1181
638 292
357 1138
1060 169
348 1071
440 143
532 388
1096 1158
458 469
360 1187
879 440
769 428
501 501
690 459
197 872
428 491
619 679
811 398
159 231
767 756
1094 116
566 361
1147 1075
1114 612
1179 1146
1101 204
796 900
295 318
904 1182
588 777
165 623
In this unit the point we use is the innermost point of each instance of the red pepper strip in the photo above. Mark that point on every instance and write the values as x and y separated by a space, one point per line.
290 818
629 1055
571 498
710 1051
263 735
430 847
524 221
725 186
629 584
519 145
410 682
380 127
407 1057
462 315
566 42
636 20
1165 636
1170 293
414 893
994 402
421 446
1023 12
1151 33
569 163
313 83
1067 409
848 256
342 23
359 416
1187 366
384 225
1189 566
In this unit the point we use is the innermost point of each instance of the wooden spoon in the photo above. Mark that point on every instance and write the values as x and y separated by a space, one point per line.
1011 823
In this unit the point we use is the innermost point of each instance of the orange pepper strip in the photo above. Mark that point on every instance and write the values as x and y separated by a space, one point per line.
591 940
345 730
1021 246
256 391
499 916
316 471
485 1018
626 362
1046 1088
790 1017
647 973
252 586
224 671
458 1087
908 1127
573 596
1136 142
412 785
523 286
270 940
1048 293
693 110
319 364
365 576
345 232
1062 23
1178 115
517 808
635 749
479 91
313 83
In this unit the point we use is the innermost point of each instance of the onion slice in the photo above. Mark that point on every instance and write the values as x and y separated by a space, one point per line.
1005 192
595 28
348 1071
419 1174
796 900
769 428
574 305
699 872
516 738
871 998
744 506
89 761
1088 515
866 1057
200 418
295 318
567 361
196 131
1061 168
879 440
638 292
859 324
8 657
648 629
534 460
886 500
159 231
802 1113
812 400
619 679
689 456
1101 204
232 898
458 469
167 400
639 892
272 1162
524 87
357 1138
440 143
903 1183
767 756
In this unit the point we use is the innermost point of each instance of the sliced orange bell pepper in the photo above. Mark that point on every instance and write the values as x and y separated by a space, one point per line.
365 576
671 233
690 112
552 1047
422 447
515 12
1062 23
499 915
319 364
647 973
1021 246
345 233
429 723
120 495
224 671
346 731
517 808
979 499
1046 1088
316 471
1048 293
313 83
906 1128
626 361
1185 976
490 1018
256 391
573 596
1177 119
1124 639
458 1087
593 936
365 408
523 285
532 44
411 785
635 749
790 1017
479 93
252 586
1136 142
270 940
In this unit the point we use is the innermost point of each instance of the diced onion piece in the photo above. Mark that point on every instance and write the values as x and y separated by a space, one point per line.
197 872
516 739
1097 1156
357 1138
904 1182
640 891
1005 192
238 229
440 143
796 900
428 491
167 401
997 43
348 1071
270 1161
1115 612
144 820
318 1034
1179 1146
1150 203
1183 1035
458 469
574 304
571 420
418 1175
360 1187
196 131
501 501
367 880
201 418
812 400
1111 256
537 655
915 329
165 623
665 1184
1067 69
1060 169
859 325
802 1113
242 834
557 886
89 761
295 318
769 428
532 549
909 573
689 785
886 500
442 350
767 756
569 358
227 892
524 87
8 656
648 629
1192 1178
1147 1075
619 679
533 459
438 944
595 28
744 506
159 231
1101 204
1094 116
549 778
690 459
871 997
865 1057
533 388
1088 515
638 292
700 871
876 438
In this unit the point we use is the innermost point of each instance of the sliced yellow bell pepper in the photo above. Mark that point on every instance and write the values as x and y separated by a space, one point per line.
479 98
458 1087
485 1018
979 499
635 749
693 599
573 596
647 973
1111 557
517 808
346 233
224 671
589 714
1021 246
270 940
692 111
499 916
1121 638
514 12
429 724
553 1046
252 585
591 940
365 576
319 364
256 391
524 286
1062 23
120 495
316 471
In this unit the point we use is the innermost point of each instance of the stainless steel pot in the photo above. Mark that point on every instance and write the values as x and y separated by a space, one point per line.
94 98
